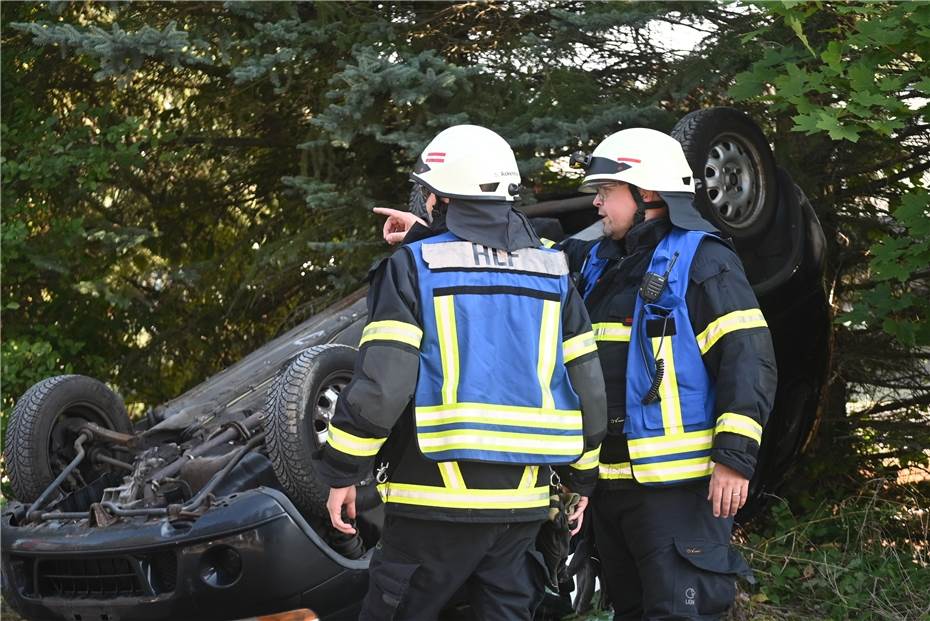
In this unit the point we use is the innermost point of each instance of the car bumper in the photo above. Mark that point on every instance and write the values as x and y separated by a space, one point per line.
251 554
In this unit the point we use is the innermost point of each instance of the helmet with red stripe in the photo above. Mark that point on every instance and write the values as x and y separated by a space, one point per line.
649 160
469 162
642 157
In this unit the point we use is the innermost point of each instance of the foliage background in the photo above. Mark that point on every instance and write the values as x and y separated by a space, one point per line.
184 181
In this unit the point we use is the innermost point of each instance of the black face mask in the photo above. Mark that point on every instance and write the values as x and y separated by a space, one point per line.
495 224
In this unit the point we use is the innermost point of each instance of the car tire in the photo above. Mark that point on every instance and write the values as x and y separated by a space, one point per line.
300 404
735 184
41 431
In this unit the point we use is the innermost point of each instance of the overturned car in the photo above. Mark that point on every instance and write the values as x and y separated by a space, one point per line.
209 507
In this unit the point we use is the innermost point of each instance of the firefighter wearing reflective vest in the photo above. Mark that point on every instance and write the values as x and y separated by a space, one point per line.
690 374
476 386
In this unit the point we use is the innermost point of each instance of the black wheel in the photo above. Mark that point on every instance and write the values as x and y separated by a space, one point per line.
44 426
300 406
734 170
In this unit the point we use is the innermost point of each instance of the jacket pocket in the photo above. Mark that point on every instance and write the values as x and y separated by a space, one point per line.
705 583
389 582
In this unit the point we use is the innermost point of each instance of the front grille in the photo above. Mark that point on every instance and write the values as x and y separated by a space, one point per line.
105 577
93 578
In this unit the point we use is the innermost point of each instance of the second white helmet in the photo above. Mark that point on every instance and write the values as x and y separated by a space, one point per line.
469 162
642 157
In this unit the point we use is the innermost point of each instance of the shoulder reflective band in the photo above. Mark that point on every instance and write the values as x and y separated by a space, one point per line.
739 424
731 322
608 331
642 448
430 496
675 470
448 346
497 415
578 346
451 474
668 389
392 331
615 471
548 352
349 444
530 474
588 460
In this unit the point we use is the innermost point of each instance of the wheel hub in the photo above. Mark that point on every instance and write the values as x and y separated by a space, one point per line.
325 410
729 177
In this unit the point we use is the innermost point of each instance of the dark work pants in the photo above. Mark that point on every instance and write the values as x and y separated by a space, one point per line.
419 565
664 555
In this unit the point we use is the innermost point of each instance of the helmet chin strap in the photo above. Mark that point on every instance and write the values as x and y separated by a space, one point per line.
640 216
641 205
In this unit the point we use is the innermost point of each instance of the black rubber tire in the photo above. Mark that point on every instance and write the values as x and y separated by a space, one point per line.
705 135
40 412
290 436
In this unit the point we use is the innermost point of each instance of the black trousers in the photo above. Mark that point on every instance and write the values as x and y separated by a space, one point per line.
419 565
663 553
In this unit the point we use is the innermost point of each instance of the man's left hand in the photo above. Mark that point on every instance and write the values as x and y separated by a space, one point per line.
340 497
728 491
577 516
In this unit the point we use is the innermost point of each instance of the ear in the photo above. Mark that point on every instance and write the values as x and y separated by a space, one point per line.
649 196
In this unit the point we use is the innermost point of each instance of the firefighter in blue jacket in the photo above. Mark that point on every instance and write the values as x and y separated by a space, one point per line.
476 385
690 374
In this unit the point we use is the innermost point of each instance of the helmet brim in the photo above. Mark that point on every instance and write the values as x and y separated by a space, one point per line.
510 198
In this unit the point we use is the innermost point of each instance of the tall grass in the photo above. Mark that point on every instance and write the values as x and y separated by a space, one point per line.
863 557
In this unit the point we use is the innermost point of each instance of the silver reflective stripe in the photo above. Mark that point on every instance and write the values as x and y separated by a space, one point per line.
466 255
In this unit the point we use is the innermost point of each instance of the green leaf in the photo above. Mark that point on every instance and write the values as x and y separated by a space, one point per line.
829 122
805 123
748 85
861 76
833 56
923 85
795 24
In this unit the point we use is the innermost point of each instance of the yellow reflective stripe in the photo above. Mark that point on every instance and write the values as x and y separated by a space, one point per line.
547 243
588 460
675 470
641 448
731 322
392 331
530 474
615 471
345 442
451 474
739 424
548 342
448 346
479 439
498 415
578 346
612 331
668 390
405 493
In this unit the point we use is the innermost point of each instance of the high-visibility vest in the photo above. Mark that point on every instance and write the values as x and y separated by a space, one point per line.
670 438
492 385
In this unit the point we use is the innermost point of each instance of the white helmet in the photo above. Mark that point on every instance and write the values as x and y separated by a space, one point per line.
642 157
469 162
649 160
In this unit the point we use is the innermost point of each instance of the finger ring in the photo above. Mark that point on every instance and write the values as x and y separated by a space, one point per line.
736 493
